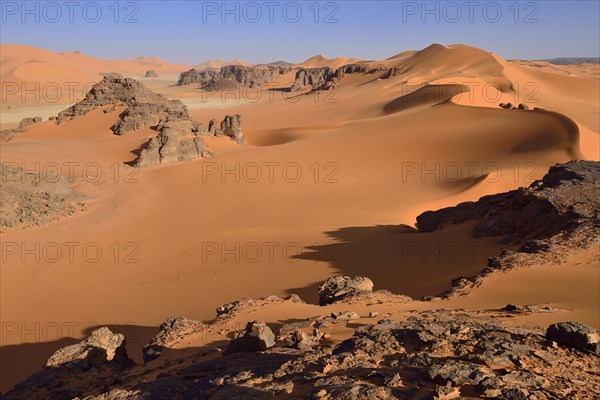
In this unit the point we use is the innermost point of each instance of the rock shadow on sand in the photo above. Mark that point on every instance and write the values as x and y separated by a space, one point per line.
401 259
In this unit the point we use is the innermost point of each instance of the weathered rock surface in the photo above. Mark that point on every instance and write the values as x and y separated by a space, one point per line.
232 76
151 74
179 137
7 135
339 287
143 106
256 337
544 221
432 354
564 200
32 199
576 336
171 332
326 78
100 348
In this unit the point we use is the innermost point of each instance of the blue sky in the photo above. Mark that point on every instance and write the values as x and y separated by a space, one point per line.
263 31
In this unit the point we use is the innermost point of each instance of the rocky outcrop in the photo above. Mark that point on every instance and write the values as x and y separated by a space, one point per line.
100 348
563 201
543 222
432 354
326 78
256 337
339 287
143 107
230 126
232 76
171 333
30 199
179 137
7 135
576 336
151 74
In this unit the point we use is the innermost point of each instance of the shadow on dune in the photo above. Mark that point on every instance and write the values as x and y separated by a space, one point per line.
426 95
554 139
401 259
19 361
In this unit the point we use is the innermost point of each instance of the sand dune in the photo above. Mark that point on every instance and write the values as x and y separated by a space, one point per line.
320 61
349 166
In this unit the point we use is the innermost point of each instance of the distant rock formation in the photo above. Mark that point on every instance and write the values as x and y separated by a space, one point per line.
7 135
28 199
151 74
231 76
326 78
179 137
143 107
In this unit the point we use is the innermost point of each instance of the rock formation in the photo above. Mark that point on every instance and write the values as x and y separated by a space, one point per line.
179 137
576 336
338 287
7 135
326 78
151 74
32 199
256 337
542 222
232 76
143 107
101 348
432 354
564 200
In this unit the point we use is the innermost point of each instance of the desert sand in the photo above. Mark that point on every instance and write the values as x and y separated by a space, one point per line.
322 187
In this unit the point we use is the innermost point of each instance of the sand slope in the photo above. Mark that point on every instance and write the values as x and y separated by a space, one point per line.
347 167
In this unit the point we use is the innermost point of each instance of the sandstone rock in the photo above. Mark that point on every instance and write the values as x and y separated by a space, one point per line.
7 135
143 106
256 337
447 392
29 199
506 106
151 74
232 126
563 200
232 76
100 348
339 286
523 106
575 335
171 332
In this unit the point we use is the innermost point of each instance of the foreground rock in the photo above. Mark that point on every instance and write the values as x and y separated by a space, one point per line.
339 287
256 337
100 348
575 335
30 199
433 354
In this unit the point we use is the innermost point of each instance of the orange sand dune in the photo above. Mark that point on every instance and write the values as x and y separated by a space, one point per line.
321 188
320 61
